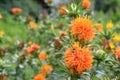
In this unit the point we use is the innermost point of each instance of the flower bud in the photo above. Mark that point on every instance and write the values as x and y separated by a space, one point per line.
100 55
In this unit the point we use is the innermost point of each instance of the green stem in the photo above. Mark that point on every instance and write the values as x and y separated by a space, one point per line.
94 73
73 77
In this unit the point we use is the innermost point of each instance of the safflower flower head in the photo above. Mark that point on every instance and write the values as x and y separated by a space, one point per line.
52 27
43 56
117 52
33 47
16 10
29 50
109 25
78 59
46 68
39 77
83 29
111 45
116 38
86 4
58 43
32 24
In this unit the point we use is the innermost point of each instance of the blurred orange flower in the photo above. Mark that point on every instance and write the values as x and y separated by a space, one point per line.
1 33
33 47
62 10
117 52
83 29
78 59
29 50
43 56
86 3
32 24
111 45
116 38
46 68
1 16
16 10
39 77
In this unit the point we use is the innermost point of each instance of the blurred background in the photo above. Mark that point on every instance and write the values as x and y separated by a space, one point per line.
34 7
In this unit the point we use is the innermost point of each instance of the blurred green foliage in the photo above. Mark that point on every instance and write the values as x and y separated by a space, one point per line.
109 7
28 6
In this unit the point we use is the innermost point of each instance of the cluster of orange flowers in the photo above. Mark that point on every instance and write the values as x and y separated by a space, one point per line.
78 59
45 68
83 29
86 4
16 10
33 47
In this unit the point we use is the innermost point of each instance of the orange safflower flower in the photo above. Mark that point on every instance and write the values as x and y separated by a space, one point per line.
117 52
83 29
32 24
29 50
43 56
33 47
46 68
78 59
86 3
16 10
39 77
